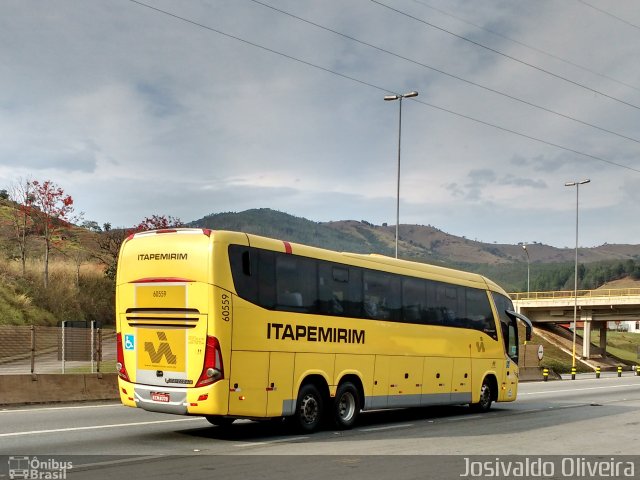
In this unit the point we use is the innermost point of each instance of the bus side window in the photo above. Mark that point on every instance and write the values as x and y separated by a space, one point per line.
433 314
296 289
241 259
447 302
333 285
246 263
382 296
353 301
479 313
266 279
414 297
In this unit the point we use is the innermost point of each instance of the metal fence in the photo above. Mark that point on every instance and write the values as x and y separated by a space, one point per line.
66 349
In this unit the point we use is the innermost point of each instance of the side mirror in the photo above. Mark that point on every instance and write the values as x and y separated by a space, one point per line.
527 323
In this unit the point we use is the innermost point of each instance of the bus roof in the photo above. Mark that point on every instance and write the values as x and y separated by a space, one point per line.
373 260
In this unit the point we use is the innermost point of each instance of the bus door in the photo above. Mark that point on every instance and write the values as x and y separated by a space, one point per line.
512 344
509 326
510 372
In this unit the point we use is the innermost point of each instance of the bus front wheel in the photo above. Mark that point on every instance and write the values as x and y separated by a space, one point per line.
346 405
486 397
309 408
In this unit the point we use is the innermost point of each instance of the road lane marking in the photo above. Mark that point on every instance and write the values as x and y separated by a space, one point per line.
390 427
44 409
87 466
578 389
281 440
96 427
467 417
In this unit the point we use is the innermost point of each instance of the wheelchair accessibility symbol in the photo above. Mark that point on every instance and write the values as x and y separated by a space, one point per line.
128 342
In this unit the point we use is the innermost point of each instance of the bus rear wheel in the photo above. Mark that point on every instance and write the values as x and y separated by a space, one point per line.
486 397
309 408
346 405
219 420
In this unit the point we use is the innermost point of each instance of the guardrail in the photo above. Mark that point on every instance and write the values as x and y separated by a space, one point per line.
608 292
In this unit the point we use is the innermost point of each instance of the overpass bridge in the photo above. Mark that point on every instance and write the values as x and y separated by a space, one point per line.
595 308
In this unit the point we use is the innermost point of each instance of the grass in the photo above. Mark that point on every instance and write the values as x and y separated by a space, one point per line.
555 359
105 367
69 296
623 345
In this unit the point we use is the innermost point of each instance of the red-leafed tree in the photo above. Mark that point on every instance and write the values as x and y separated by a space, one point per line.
51 215
158 222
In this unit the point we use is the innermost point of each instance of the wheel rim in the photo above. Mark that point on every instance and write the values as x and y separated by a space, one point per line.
346 407
309 409
485 396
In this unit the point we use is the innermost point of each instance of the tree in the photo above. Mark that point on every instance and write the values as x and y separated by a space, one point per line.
52 214
21 193
111 239
109 243
91 225
77 249
158 222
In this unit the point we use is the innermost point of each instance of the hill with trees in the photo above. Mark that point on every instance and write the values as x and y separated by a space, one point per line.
551 268
55 265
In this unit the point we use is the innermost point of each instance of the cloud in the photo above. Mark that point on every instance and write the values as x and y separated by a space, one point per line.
510 179
135 112
480 180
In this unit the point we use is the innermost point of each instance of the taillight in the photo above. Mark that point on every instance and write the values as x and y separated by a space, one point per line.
122 370
212 370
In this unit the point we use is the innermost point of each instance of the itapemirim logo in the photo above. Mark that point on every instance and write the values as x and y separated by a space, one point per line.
164 350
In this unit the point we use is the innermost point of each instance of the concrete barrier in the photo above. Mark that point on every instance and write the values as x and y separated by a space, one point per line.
530 374
47 388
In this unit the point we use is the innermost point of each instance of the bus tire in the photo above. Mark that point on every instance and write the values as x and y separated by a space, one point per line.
346 406
219 420
309 409
486 397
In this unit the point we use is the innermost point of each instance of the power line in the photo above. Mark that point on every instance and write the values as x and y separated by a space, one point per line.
379 88
531 47
256 45
489 89
530 137
609 14
478 44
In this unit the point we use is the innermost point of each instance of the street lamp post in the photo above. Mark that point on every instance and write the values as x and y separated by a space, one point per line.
575 288
399 98
524 246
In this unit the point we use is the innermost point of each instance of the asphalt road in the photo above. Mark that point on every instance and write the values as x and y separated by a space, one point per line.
105 440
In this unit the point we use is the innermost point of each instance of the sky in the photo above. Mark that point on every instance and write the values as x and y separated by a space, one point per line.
188 108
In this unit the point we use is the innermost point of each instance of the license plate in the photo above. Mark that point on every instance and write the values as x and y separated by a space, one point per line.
160 397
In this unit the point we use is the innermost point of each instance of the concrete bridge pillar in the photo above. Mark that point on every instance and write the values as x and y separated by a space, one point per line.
603 337
586 317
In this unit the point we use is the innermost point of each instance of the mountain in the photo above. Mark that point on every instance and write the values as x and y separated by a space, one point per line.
416 242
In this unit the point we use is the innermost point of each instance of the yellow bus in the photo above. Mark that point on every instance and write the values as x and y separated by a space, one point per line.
229 325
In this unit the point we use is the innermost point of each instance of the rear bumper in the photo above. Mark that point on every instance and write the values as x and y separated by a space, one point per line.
176 399
209 400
